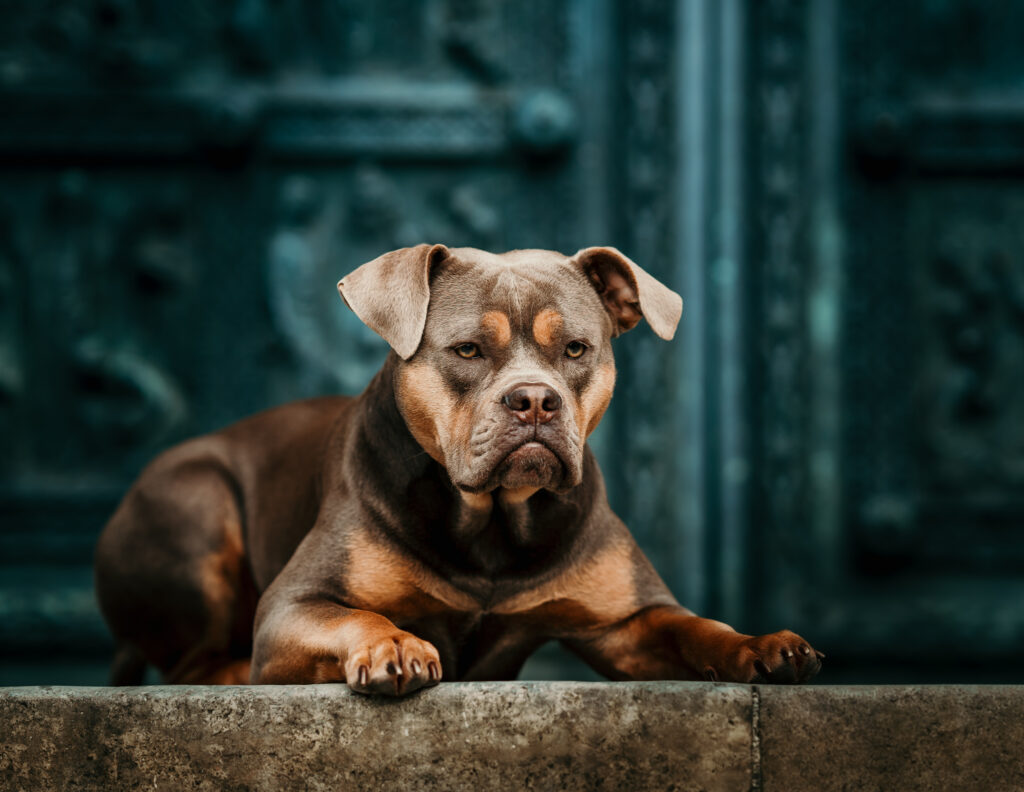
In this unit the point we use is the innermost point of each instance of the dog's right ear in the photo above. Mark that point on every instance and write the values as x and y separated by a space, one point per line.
391 293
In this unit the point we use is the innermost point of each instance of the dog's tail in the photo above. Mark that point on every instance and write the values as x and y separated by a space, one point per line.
128 667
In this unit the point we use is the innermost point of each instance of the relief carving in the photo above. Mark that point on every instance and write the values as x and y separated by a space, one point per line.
328 224
972 366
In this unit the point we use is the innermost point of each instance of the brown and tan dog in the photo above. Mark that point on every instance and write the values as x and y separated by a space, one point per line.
448 521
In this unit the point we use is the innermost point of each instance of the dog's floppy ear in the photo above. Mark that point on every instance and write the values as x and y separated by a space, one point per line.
391 293
629 293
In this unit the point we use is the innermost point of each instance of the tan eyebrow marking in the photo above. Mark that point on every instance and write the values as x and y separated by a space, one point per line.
546 326
495 323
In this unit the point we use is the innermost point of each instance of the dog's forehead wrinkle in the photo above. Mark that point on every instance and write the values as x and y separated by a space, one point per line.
520 285
508 283
520 290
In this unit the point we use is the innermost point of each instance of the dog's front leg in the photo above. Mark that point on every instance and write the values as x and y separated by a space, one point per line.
669 642
315 640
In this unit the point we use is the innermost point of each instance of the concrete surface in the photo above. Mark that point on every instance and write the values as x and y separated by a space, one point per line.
515 735
926 737
456 736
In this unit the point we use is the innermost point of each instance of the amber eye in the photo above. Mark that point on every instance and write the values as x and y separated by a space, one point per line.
467 351
575 348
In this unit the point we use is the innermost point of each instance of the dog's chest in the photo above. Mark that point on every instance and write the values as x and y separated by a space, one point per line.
378 578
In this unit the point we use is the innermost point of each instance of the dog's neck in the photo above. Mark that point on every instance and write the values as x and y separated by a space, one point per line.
501 532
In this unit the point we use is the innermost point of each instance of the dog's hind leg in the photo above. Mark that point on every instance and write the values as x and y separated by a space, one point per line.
205 668
128 666
172 578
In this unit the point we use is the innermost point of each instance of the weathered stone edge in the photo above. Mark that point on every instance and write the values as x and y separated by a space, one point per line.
483 735
517 735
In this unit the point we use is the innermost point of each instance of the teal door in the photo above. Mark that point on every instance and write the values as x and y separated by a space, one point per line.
834 441
887 167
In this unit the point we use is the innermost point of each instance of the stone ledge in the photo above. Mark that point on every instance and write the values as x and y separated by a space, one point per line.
514 735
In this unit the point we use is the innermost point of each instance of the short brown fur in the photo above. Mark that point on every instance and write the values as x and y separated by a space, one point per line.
444 523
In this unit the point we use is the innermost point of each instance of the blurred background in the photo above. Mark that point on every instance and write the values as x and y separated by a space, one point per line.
833 443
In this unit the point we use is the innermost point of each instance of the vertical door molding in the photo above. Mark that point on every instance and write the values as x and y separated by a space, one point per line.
795 252
681 416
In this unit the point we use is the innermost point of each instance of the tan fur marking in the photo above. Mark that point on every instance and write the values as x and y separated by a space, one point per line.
496 325
380 579
459 427
376 576
310 640
478 501
219 573
546 327
595 399
603 585
427 405
517 495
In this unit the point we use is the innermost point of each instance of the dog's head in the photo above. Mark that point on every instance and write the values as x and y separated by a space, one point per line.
505 362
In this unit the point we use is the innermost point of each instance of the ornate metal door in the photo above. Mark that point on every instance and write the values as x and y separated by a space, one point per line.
892 359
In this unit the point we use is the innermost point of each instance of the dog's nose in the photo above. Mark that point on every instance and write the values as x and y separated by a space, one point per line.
533 404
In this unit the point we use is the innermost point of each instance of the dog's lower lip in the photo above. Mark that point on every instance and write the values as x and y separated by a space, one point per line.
531 464
530 445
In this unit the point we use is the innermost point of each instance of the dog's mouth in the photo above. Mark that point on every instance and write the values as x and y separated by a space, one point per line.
532 464
520 457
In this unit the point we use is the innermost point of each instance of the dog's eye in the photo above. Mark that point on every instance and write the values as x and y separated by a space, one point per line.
575 349
467 351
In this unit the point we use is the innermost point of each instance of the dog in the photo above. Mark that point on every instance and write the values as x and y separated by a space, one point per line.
443 524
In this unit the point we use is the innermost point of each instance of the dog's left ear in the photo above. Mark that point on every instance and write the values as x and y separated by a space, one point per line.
391 293
629 293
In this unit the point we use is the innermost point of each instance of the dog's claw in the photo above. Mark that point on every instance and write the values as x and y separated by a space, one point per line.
779 658
390 665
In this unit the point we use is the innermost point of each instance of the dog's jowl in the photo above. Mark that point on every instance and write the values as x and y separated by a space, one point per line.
443 524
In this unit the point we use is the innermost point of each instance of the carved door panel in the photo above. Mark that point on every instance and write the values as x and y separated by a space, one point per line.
896 468
181 186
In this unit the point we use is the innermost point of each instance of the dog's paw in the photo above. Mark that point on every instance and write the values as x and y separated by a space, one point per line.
777 658
392 665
